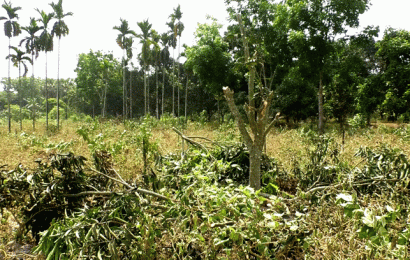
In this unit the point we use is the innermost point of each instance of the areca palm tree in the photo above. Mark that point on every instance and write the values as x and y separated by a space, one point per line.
173 36
46 45
11 29
155 60
165 40
60 29
179 27
33 47
145 40
124 40
18 60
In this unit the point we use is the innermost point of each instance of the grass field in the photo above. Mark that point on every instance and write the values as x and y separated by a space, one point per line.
332 233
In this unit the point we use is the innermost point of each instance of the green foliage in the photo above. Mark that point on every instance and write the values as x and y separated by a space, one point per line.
209 58
357 122
323 166
98 76
15 113
43 193
393 52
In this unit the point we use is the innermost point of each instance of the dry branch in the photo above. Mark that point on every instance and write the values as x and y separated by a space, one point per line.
189 140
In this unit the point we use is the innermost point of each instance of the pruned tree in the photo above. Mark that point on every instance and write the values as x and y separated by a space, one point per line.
257 115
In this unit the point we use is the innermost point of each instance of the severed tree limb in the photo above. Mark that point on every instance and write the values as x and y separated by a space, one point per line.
206 139
229 223
109 193
196 144
105 193
112 178
241 124
354 184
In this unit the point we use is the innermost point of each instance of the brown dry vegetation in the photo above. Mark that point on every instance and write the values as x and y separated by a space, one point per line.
335 236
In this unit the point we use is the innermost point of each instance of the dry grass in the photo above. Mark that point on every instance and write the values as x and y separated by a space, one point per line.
335 237
287 146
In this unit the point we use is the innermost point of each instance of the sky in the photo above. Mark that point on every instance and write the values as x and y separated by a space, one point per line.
91 26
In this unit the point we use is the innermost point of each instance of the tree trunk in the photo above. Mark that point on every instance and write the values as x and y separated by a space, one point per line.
20 100
148 95
156 92
104 100
258 119
58 85
163 86
173 82
255 159
46 97
320 97
131 93
186 99
33 109
145 92
8 93
124 93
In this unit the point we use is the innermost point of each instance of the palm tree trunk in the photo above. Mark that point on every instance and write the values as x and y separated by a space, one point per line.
46 97
33 111
148 102
173 82
145 93
163 86
8 92
124 94
20 101
179 80
131 93
58 85
186 98
156 94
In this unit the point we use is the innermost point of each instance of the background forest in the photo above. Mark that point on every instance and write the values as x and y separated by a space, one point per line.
360 74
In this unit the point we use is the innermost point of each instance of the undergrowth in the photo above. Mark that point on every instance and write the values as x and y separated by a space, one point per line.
194 203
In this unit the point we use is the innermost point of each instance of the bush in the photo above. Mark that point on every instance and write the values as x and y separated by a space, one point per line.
357 122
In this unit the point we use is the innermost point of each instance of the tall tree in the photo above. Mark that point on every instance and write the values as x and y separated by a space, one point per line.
173 43
209 58
178 29
124 40
145 40
11 29
156 61
33 47
257 113
18 60
60 29
165 39
98 75
314 26
46 45
394 56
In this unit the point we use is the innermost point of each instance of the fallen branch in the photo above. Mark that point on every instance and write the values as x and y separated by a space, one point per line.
206 139
189 140
222 224
353 184
109 193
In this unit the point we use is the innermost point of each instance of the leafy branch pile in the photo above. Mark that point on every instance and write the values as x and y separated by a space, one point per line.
193 206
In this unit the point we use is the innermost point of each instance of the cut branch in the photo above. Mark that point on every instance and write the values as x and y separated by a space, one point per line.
192 142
